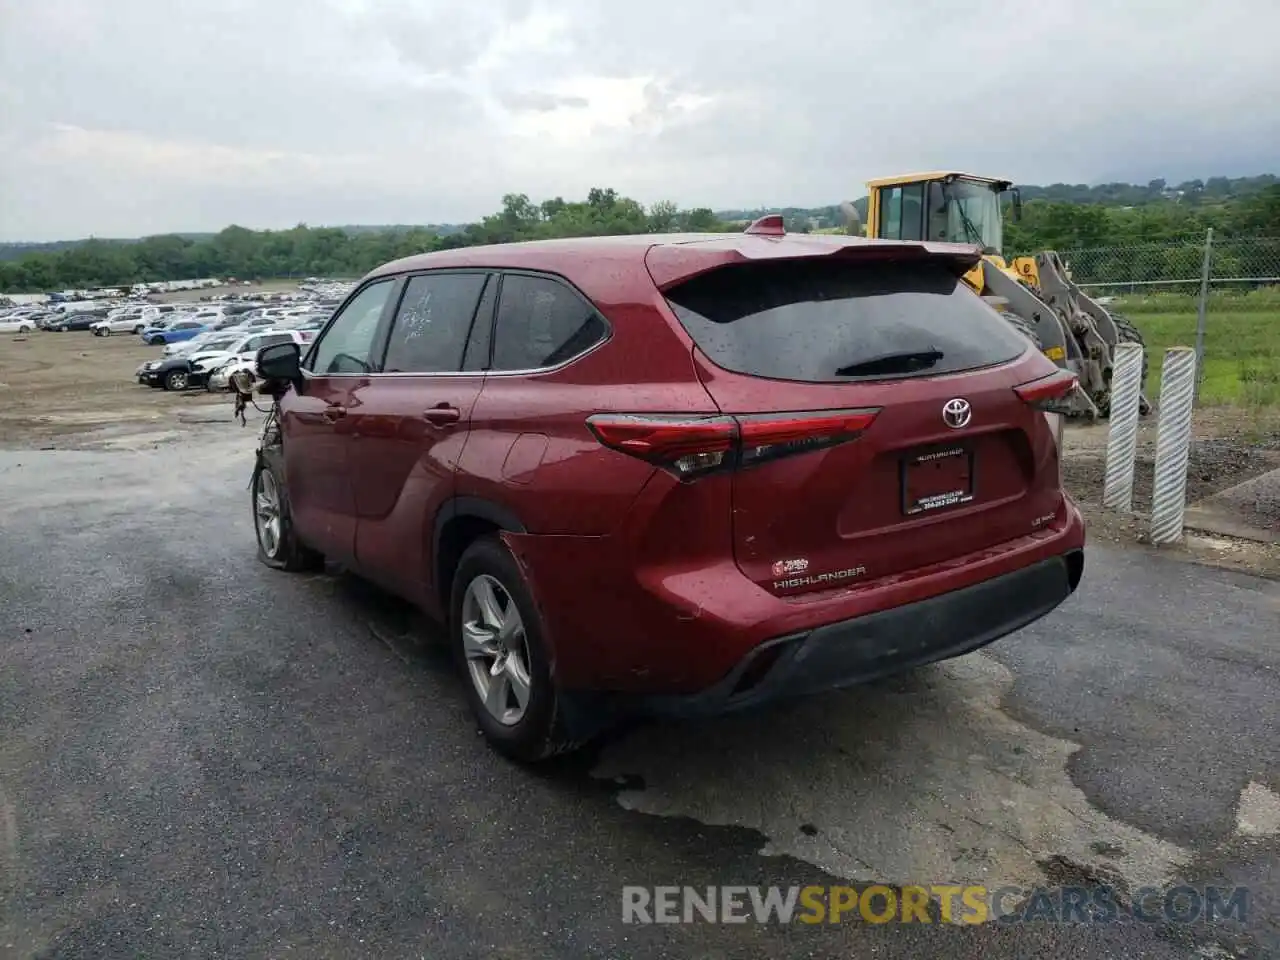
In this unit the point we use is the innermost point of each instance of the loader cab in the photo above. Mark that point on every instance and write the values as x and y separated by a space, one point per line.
946 207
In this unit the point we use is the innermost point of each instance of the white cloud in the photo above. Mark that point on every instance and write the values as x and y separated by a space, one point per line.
139 116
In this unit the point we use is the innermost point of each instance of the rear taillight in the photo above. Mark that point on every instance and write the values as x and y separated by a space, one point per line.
692 446
684 445
1052 396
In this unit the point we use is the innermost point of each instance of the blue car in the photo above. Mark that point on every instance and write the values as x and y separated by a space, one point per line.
174 332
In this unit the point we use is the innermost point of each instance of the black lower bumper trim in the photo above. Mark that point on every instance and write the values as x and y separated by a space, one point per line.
891 641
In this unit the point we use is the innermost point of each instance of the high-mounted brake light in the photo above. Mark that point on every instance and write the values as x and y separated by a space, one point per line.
768 226
692 446
1051 394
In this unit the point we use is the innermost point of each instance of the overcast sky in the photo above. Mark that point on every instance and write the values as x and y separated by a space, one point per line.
129 117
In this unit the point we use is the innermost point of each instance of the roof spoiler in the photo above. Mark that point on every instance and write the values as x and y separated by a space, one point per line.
674 263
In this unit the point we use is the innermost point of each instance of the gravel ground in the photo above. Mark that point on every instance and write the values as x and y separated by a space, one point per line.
202 757
1214 464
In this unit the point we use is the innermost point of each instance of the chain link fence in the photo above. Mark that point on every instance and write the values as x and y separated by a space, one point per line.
1218 295
1178 266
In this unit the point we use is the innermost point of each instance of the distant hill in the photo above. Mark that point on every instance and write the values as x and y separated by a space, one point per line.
17 250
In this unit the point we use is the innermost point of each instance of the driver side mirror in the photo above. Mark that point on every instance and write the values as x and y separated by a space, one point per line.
280 362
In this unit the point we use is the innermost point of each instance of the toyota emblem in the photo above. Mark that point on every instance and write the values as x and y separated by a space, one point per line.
957 413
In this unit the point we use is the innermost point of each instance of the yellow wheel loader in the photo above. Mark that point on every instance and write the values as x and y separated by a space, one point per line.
1035 293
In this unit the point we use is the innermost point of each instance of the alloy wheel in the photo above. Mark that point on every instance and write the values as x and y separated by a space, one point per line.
496 649
266 513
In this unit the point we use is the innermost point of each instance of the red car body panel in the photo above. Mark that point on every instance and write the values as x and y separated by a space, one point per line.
404 453
648 583
317 452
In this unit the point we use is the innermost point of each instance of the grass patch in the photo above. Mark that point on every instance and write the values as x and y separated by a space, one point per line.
1242 352
1261 300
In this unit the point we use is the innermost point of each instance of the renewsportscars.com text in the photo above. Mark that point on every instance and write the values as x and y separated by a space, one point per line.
945 903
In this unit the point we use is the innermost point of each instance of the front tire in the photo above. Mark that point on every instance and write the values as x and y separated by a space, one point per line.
177 380
497 639
102 332
278 545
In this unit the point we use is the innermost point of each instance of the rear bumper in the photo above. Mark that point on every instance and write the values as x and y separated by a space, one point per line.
867 648
699 636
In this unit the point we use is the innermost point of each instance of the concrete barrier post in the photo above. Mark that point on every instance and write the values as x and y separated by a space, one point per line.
1122 431
1173 444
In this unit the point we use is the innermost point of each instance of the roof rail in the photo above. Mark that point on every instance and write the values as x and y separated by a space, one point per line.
768 226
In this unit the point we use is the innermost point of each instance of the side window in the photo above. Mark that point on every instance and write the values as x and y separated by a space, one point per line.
271 338
476 356
902 212
431 326
347 346
891 213
251 345
542 323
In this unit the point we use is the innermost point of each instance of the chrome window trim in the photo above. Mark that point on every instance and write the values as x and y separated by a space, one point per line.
534 371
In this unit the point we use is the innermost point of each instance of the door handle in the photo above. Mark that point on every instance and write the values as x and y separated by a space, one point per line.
334 411
442 415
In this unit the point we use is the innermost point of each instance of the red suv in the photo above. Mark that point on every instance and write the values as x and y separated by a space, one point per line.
675 474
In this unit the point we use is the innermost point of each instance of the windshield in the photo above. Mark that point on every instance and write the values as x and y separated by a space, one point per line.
966 212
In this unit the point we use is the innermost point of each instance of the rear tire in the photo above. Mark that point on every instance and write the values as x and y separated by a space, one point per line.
490 593
1126 332
1024 327
278 544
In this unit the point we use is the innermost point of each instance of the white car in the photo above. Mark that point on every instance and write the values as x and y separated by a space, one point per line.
129 323
220 380
244 355
17 325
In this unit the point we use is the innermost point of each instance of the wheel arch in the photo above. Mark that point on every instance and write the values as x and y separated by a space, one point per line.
459 523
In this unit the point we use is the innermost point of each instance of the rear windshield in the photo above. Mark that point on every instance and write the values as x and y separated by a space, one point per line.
824 321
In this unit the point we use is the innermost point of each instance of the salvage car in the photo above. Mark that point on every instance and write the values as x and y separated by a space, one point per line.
171 373
17 324
186 370
215 368
675 475
126 324
174 332
82 320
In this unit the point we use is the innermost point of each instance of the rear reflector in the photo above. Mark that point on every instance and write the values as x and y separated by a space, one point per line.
692 446
1050 394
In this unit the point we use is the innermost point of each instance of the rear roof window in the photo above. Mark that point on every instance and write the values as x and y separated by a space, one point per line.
835 321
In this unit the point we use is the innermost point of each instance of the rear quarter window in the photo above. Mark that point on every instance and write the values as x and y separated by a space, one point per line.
825 321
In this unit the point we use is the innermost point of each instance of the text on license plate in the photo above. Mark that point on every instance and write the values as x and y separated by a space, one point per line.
937 478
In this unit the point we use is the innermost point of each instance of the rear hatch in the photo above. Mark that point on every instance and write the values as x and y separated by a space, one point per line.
879 427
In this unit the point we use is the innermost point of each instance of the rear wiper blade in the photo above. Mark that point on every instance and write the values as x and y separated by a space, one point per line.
905 362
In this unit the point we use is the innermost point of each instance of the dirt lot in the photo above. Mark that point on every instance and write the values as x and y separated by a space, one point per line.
57 388
74 389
